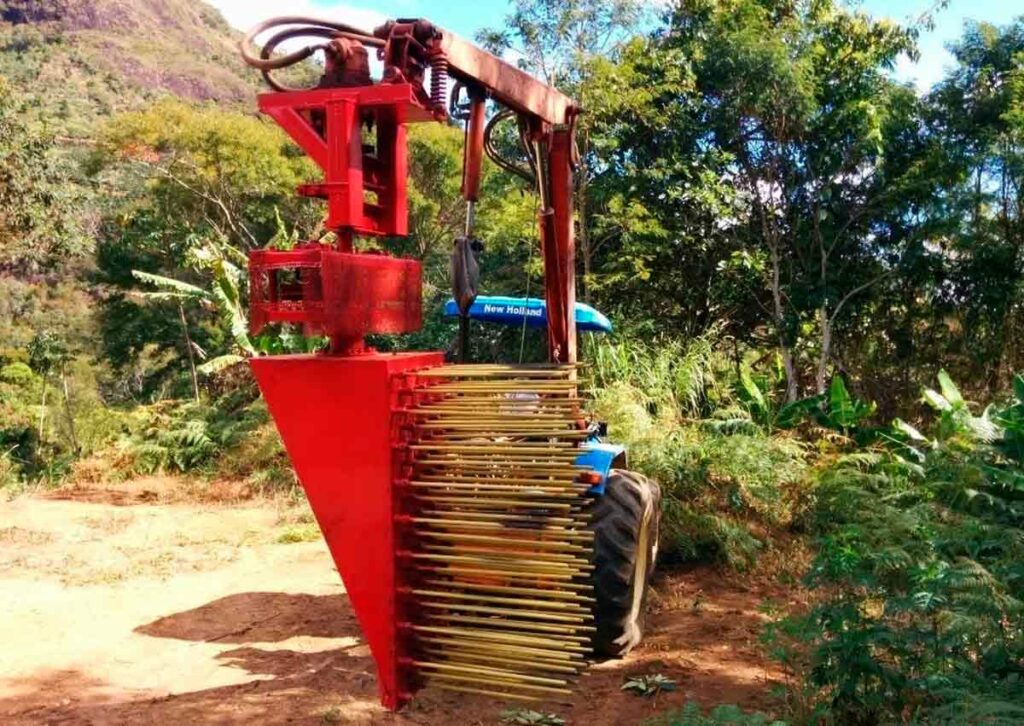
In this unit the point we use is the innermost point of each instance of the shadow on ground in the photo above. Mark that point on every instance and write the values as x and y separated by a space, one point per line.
289 686
259 617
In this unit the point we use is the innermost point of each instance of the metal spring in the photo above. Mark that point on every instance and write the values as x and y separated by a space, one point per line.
438 81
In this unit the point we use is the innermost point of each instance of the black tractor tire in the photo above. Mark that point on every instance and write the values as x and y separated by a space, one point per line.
625 523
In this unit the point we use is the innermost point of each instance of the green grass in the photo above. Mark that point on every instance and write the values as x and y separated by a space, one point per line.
298 533
727 715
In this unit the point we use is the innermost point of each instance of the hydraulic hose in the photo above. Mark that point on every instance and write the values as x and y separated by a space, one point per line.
271 45
310 27
528 175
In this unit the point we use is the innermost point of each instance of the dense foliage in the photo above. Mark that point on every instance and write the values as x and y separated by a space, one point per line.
38 207
920 568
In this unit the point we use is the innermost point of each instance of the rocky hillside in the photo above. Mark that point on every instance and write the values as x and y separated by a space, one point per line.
83 59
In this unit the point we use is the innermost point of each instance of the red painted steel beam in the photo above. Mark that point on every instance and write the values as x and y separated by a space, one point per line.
326 123
400 95
559 250
507 84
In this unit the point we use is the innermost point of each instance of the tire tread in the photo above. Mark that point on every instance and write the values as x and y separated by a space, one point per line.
616 520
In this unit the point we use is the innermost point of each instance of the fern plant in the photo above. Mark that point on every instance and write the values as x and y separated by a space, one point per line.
185 436
921 567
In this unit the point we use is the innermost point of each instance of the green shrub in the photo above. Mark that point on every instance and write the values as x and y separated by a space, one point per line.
17 374
669 379
299 533
10 475
186 436
691 534
720 476
920 567
754 470
259 457
230 438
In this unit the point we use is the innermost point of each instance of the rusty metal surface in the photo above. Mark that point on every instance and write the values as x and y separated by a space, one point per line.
343 295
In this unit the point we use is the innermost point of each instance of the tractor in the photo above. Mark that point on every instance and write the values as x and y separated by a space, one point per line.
489 540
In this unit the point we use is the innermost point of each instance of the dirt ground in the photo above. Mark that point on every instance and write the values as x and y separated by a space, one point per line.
123 606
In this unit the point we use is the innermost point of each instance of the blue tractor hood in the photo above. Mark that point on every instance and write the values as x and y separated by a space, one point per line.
513 310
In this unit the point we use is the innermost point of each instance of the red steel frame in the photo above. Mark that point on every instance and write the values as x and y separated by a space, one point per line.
559 248
343 295
337 148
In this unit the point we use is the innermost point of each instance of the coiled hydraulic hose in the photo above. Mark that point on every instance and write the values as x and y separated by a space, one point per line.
290 27
305 27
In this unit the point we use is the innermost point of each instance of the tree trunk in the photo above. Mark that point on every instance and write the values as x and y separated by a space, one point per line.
1011 223
826 349
67 408
792 386
42 410
191 353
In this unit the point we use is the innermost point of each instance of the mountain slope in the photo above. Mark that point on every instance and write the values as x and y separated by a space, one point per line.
82 59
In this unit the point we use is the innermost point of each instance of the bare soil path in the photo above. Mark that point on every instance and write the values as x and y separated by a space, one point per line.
121 607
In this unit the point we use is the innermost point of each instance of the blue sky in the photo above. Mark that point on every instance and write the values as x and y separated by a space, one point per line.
949 24
465 17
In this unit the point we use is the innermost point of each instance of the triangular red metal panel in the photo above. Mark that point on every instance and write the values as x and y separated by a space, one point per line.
334 415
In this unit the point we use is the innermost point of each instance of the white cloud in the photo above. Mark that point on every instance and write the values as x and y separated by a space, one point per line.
925 73
244 14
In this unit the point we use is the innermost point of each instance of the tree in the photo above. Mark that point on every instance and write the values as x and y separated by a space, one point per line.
788 149
191 189
223 265
48 353
566 44
978 113
557 40
204 171
38 206
663 221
